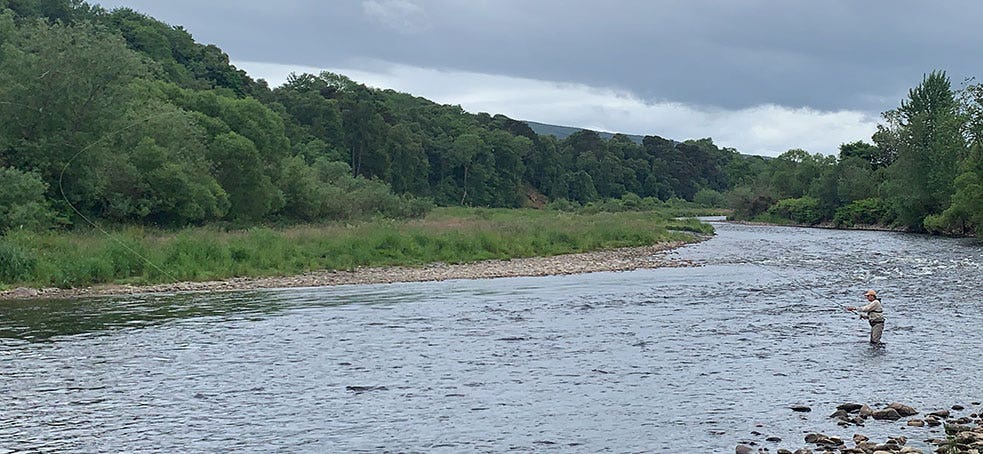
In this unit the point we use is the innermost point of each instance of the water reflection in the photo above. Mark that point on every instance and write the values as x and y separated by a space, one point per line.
667 360
44 319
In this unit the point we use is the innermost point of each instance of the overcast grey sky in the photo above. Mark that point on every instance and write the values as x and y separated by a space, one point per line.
762 76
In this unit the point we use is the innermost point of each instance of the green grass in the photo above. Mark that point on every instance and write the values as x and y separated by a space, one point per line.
450 235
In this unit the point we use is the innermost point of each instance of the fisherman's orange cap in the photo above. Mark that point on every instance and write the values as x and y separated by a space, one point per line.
870 292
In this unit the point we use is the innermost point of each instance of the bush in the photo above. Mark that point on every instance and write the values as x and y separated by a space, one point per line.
748 204
631 201
709 198
872 211
803 210
563 205
22 202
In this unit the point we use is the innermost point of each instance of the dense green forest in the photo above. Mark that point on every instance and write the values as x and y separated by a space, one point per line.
114 117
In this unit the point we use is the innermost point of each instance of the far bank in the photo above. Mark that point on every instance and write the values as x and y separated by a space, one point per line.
137 259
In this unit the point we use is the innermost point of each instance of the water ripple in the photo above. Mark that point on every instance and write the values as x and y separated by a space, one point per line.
666 360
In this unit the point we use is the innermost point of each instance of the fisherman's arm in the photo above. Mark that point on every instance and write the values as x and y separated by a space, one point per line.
865 309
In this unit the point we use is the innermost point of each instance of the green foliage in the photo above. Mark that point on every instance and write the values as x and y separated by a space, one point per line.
802 210
136 255
239 169
138 124
748 203
709 198
160 174
930 146
177 56
22 202
863 212
965 213
17 262
874 155
61 90
563 205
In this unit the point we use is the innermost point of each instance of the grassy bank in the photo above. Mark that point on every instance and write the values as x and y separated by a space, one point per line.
451 235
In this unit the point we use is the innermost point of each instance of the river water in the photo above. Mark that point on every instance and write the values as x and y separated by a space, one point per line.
693 359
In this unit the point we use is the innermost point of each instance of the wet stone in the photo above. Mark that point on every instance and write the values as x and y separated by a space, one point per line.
886 414
849 407
902 409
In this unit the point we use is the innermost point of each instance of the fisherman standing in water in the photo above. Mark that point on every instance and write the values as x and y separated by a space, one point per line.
875 315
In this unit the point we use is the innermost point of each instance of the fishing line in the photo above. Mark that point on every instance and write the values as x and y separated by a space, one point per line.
61 178
61 188
799 284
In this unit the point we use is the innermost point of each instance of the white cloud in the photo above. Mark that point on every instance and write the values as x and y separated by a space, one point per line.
766 130
399 15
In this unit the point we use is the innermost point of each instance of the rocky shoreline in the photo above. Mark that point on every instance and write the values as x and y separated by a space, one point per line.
622 259
962 434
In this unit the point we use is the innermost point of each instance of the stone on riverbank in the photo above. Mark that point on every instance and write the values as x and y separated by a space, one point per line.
866 411
849 407
886 413
903 410
963 436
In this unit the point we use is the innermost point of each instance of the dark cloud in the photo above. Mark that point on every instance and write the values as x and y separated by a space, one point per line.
830 55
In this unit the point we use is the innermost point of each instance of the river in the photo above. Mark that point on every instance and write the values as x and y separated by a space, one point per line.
694 359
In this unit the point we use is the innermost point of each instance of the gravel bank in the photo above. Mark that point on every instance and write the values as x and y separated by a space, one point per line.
623 259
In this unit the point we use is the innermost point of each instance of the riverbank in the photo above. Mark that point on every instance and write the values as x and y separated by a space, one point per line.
957 429
151 258
620 259
831 226
825 225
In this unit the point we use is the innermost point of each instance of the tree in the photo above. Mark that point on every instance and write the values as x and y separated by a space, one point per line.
875 156
62 90
312 105
462 153
365 132
930 147
965 213
239 169
22 201
159 173
410 166
581 187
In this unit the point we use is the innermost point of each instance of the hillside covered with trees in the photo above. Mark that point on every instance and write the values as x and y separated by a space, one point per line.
120 119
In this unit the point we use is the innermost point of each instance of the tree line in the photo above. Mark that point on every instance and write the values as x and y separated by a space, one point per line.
116 117
923 171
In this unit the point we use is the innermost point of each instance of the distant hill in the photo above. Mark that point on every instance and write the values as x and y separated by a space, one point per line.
561 132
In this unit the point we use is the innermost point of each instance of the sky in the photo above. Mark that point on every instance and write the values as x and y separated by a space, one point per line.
760 76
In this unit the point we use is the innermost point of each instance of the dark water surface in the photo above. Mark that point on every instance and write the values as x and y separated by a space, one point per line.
664 360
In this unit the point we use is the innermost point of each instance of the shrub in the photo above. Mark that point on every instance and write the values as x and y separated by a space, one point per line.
563 205
803 210
871 211
709 198
22 202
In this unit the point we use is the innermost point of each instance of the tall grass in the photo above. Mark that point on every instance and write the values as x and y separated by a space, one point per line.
450 235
